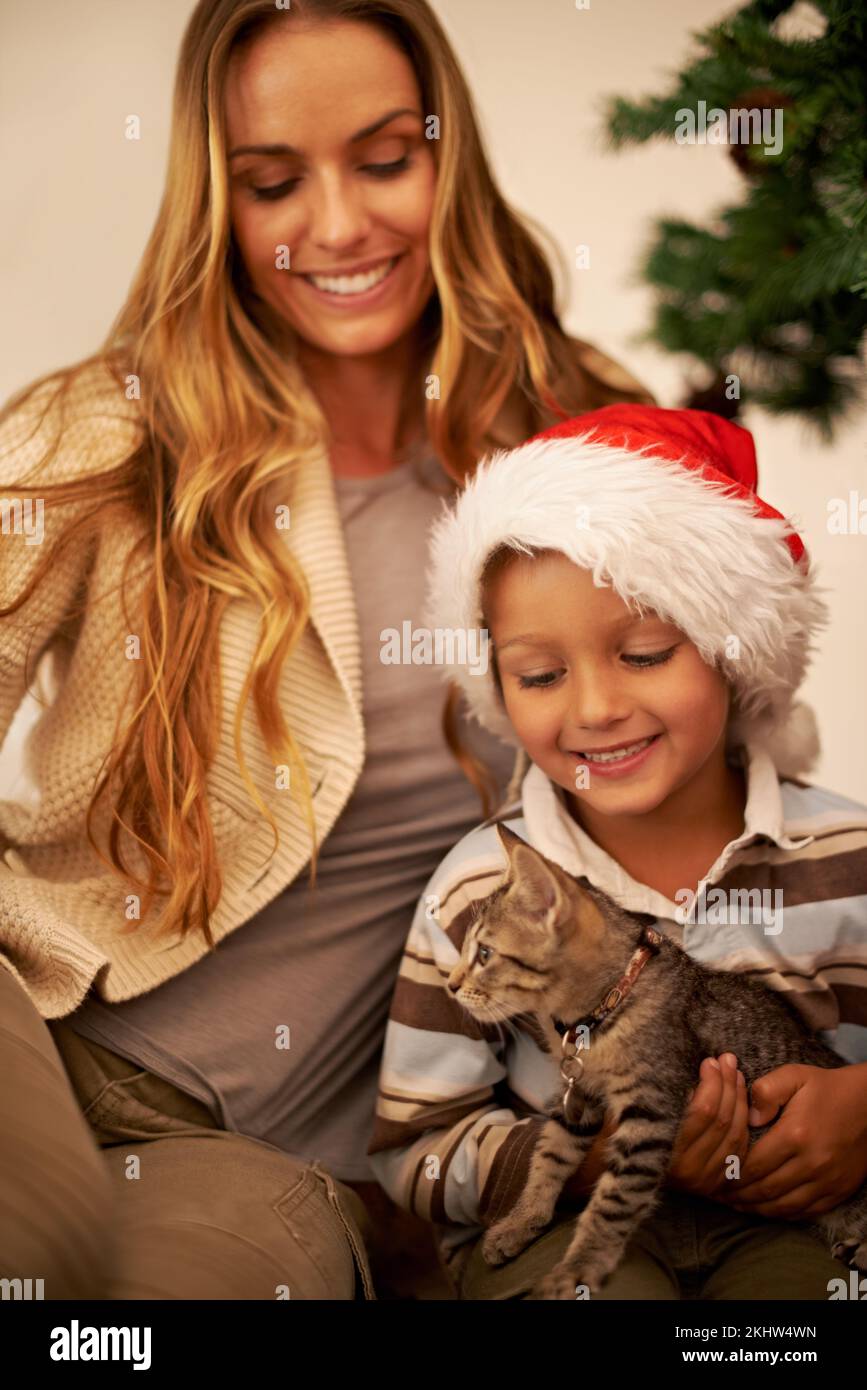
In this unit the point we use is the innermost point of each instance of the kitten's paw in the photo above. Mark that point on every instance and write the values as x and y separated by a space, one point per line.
852 1252
507 1239
561 1284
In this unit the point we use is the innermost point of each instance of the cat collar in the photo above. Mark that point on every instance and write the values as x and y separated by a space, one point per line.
576 1035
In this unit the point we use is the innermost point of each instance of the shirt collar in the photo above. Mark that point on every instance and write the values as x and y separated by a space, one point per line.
552 830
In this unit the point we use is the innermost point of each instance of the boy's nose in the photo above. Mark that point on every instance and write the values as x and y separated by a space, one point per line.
596 703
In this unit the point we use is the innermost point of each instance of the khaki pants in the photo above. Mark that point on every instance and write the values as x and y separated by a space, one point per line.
689 1248
114 1184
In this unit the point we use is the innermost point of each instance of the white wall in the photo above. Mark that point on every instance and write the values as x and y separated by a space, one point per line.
80 200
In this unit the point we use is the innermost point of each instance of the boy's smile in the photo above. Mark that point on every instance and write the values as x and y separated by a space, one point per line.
619 710
617 759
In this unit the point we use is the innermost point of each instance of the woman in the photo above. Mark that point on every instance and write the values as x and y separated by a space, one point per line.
337 314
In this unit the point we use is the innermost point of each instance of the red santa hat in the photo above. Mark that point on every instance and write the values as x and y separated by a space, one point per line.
661 506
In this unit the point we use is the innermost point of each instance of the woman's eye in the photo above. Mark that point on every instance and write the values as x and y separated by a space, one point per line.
384 171
547 678
649 658
379 171
276 190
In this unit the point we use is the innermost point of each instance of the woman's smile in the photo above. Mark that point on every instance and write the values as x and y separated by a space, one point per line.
357 290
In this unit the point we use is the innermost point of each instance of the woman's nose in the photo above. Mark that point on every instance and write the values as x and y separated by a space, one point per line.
338 217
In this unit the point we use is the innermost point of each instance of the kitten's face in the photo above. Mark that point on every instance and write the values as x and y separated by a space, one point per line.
529 938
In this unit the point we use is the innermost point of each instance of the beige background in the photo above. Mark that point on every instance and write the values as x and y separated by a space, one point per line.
79 201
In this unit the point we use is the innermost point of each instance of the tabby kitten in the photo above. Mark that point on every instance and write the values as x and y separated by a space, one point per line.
546 944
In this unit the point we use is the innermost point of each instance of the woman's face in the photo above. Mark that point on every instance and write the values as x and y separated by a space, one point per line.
581 675
348 185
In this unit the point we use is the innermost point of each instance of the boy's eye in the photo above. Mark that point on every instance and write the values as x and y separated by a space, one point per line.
649 658
546 678
379 171
638 661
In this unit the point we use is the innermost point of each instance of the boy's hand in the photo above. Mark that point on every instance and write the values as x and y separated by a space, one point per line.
714 1127
816 1153
814 1157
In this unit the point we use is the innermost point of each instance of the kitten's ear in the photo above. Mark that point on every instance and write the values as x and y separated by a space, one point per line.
533 881
509 840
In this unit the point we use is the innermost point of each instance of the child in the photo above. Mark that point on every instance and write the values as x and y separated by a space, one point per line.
650 621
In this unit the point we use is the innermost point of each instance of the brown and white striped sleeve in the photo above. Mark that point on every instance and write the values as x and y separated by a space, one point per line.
444 1144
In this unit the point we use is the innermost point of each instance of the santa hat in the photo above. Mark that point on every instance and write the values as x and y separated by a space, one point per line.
660 505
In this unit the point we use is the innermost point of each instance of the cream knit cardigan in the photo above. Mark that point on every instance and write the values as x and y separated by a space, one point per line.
63 915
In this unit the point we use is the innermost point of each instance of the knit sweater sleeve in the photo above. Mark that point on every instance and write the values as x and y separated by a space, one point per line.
89 435
444 1144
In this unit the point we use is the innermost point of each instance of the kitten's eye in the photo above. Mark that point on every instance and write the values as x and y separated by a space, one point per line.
483 955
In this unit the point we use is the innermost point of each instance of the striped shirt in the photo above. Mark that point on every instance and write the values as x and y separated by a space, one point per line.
461 1107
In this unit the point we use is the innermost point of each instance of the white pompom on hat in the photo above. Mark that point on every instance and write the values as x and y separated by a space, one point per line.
661 506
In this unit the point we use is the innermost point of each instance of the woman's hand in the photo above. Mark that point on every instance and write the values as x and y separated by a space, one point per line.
713 1129
815 1156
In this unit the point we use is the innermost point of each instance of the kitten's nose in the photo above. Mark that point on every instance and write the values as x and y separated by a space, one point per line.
453 987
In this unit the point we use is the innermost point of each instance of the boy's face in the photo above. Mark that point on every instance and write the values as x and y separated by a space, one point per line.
581 674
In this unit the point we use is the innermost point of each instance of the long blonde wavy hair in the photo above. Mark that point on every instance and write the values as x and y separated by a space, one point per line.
226 410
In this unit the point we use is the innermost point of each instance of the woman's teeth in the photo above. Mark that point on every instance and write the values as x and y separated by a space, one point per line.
352 284
620 753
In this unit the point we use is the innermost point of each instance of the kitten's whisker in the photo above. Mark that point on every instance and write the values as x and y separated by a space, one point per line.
487 1007
501 1019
